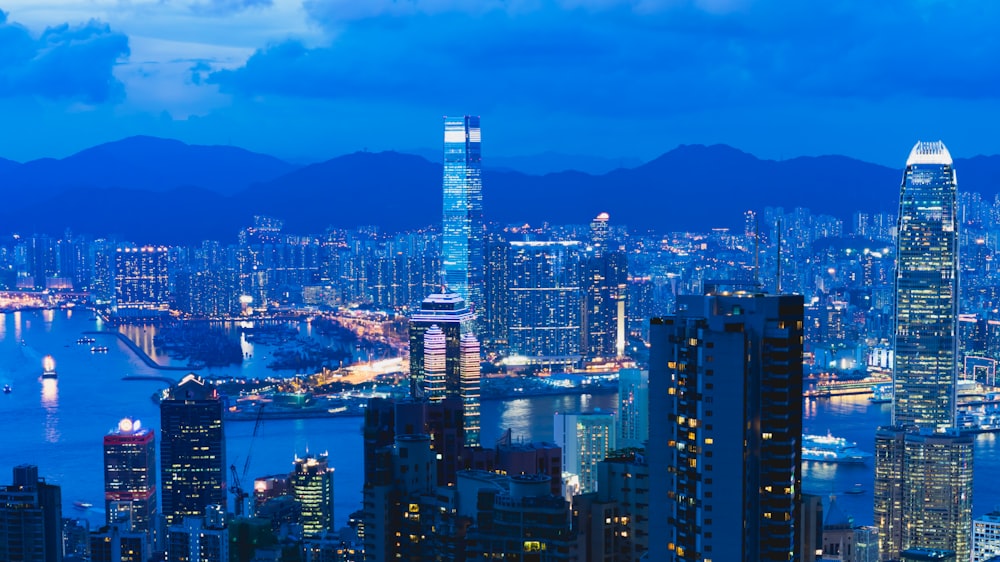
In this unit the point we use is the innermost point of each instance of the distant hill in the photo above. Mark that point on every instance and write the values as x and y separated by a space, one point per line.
156 190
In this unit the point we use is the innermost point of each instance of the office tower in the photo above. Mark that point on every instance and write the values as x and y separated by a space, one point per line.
30 518
586 439
604 280
141 284
130 476
462 242
725 422
545 301
986 537
926 292
192 451
923 484
633 408
203 538
445 356
600 232
312 487
449 312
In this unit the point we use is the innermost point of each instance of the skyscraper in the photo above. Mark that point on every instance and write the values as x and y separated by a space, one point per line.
926 292
130 475
445 356
725 423
923 472
192 451
462 246
312 487
141 284
633 408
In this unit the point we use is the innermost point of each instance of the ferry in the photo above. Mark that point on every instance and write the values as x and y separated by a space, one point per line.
827 448
48 367
82 505
99 349
881 393
83 341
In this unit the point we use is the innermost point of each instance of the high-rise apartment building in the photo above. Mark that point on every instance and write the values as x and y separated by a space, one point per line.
130 476
192 450
312 487
30 518
923 472
545 301
604 278
585 438
141 284
725 422
462 245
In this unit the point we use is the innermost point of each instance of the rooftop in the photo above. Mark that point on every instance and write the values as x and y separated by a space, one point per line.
929 153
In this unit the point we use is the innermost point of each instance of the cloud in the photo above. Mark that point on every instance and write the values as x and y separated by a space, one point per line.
66 61
225 7
612 56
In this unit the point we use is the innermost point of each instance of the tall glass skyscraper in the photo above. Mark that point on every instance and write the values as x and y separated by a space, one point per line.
462 246
926 292
923 466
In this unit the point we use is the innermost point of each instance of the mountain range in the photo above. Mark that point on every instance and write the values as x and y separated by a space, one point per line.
147 189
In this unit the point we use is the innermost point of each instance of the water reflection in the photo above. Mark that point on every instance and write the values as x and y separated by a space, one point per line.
50 402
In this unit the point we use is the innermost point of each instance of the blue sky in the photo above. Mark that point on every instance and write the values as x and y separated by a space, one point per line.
310 79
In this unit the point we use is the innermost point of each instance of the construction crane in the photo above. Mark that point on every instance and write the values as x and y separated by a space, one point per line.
240 495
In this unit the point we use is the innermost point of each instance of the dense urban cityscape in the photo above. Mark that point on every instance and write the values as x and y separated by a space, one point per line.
710 339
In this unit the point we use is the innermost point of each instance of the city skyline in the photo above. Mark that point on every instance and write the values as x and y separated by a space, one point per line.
237 71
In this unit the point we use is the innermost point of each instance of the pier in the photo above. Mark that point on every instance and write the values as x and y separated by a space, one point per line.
140 353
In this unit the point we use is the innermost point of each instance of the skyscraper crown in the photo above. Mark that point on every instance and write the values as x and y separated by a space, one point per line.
929 153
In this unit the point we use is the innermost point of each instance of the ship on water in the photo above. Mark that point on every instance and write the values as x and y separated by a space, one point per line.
881 393
827 448
49 367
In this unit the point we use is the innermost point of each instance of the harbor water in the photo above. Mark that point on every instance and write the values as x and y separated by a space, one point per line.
59 423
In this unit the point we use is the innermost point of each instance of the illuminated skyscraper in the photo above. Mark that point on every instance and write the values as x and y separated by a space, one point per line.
192 451
462 247
725 429
444 356
923 472
312 487
130 476
30 518
633 408
926 292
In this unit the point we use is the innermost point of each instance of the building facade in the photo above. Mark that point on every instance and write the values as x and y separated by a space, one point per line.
130 476
312 487
192 450
462 242
725 386
30 518
585 439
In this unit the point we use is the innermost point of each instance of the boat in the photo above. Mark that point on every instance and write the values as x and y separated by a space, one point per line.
82 505
881 393
827 448
48 367
83 341
99 349
7 389
856 489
